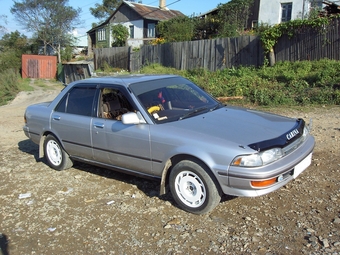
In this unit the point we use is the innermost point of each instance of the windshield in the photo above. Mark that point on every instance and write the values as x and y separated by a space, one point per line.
173 99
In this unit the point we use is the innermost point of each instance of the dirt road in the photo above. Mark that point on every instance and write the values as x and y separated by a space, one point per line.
89 210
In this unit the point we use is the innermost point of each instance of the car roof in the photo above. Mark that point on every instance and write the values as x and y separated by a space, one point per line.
124 80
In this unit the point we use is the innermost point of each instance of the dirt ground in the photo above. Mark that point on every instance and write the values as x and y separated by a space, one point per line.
90 210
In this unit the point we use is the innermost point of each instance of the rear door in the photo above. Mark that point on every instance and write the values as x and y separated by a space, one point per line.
72 118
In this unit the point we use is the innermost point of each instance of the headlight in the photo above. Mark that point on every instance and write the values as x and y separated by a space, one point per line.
259 159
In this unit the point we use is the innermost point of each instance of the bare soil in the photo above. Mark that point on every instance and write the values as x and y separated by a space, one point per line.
90 210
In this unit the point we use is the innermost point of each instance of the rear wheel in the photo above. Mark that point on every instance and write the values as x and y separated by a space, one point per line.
193 187
55 155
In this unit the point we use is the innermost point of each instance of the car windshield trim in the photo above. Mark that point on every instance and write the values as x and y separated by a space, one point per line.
193 112
145 86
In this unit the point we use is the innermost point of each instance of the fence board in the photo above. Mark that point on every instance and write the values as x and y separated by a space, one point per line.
217 54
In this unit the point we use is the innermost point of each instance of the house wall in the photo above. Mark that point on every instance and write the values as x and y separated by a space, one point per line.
127 17
137 41
125 14
270 12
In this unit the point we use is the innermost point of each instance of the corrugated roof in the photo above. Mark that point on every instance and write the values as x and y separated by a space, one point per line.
154 13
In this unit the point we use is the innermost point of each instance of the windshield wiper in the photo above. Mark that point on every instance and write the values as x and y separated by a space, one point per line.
217 106
195 111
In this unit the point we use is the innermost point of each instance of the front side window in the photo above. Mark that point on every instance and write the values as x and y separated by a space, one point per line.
286 11
78 100
173 99
151 30
113 104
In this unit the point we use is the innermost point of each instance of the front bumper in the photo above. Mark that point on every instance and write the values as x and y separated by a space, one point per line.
237 181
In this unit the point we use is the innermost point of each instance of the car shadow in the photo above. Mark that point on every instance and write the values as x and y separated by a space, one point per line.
149 187
30 147
4 244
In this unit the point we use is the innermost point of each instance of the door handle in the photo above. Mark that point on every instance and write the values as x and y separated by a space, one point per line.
56 117
98 125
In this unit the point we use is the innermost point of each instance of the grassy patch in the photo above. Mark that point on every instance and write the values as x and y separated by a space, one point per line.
298 83
9 85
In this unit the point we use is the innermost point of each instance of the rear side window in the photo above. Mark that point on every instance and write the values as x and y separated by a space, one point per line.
78 101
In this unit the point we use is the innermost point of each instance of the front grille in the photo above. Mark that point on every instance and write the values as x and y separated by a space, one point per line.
293 146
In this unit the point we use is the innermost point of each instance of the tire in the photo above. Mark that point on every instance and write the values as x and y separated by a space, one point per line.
55 155
193 187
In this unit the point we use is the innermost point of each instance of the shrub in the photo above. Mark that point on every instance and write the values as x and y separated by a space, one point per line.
9 85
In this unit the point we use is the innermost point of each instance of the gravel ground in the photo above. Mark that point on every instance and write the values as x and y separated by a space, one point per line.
90 210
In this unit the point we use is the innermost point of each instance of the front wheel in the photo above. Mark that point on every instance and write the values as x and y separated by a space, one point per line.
55 155
193 187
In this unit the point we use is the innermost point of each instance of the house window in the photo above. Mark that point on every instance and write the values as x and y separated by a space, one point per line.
317 4
151 30
286 11
132 31
254 24
101 34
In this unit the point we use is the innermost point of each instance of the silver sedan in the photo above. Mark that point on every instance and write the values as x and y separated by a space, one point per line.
166 127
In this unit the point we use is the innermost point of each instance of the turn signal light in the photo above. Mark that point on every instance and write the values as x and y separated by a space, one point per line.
264 183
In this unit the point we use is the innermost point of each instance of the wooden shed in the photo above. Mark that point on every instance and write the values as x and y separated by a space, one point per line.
38 66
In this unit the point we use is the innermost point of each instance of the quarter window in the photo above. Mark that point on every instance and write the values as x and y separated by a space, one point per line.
286 12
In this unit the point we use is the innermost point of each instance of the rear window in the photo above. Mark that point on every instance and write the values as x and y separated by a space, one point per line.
78 100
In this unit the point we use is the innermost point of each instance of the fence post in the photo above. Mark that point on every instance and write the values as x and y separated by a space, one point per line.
130 68
271 57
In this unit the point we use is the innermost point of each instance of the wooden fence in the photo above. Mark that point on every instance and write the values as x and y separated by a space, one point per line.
310 44
116 56
217 54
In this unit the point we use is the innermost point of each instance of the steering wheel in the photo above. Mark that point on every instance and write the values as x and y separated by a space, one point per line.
154 109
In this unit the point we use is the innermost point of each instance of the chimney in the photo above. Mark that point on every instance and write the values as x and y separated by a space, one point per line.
162 4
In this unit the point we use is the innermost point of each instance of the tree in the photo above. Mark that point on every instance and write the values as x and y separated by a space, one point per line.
51 21
206 28
3 19
12 46
178 29
104 10
233 17
119 34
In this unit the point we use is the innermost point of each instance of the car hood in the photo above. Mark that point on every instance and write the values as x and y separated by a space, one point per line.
258 130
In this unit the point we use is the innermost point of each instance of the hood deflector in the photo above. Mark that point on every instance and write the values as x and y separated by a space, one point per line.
283 140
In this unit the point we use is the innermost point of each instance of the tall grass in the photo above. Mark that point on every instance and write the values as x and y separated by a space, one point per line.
300 83
287 83
9 85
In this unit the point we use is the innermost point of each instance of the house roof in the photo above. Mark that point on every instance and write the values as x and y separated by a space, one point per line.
153 13
146 12
211 12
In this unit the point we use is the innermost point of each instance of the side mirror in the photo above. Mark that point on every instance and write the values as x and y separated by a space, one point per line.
131 118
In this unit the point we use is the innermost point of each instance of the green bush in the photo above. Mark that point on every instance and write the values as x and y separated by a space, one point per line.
9 85
66 54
